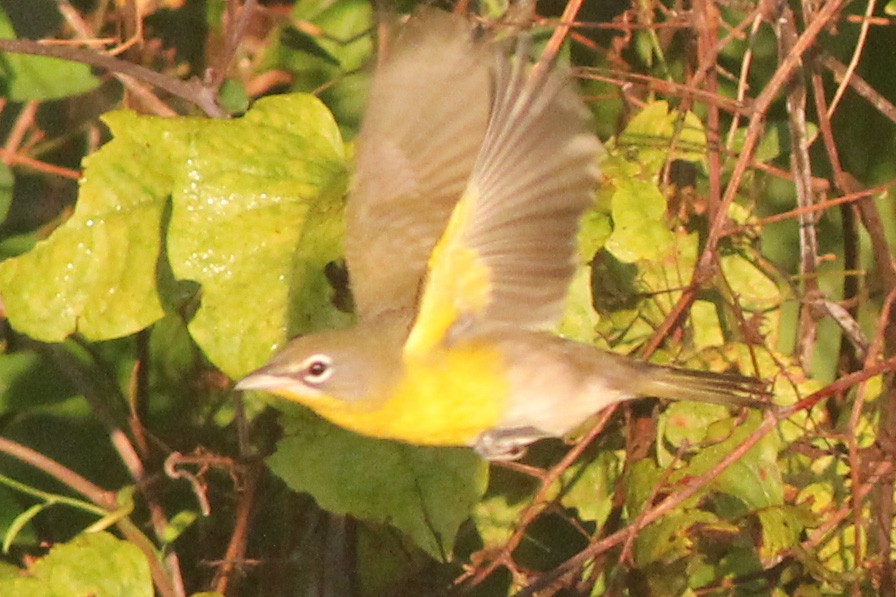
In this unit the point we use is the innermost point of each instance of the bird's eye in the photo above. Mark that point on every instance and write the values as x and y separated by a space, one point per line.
317 369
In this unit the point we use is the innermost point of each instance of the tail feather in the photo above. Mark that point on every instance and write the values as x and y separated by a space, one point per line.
716 388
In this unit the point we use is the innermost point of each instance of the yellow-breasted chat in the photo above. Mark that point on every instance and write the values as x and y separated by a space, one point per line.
472 173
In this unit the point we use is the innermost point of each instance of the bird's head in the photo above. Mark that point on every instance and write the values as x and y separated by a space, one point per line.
347 365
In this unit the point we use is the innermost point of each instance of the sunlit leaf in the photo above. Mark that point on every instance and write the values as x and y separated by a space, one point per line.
255 210
639 230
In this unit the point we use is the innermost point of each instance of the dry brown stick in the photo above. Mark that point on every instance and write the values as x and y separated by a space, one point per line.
192 90
859 85
743 78
236 28
661 86
539 501
849 359
120 441
707 25
556 41
12 159
698 483
704 268
102 498
690 489
785 30
236 548
880 489
882 506
22 123
856 56
856 197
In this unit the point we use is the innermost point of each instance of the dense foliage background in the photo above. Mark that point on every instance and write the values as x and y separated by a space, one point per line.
171 195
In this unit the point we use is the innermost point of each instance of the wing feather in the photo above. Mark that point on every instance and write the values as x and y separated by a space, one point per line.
425 120
507 254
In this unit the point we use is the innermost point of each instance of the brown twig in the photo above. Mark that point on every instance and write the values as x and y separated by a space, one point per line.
236 547
237 23
538 503
700 482
704 268
193 91
102 498
785 31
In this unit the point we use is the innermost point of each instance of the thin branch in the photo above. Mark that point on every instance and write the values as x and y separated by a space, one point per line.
236 30
859 85
700 482
100 497
785 30
705 265
856 56
193 91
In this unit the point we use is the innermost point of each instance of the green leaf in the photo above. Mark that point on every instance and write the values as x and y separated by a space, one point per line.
755 478
639 227
97 272
671 537
179 523
657 135
782 527
706 327
255 211
7 181
95 564
40 78
496 517
641 481
301 41
424 492
333 63
595 229
589 486
684 424
753 289
579 318
774 142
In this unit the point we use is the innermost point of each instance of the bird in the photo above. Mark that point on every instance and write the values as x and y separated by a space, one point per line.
473 170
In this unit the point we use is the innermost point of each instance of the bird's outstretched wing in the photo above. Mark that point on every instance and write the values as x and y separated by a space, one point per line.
426 118
507 254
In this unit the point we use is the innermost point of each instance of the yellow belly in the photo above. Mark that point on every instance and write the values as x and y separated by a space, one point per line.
446 398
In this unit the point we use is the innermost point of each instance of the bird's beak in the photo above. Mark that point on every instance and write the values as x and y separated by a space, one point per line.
276 383
260 380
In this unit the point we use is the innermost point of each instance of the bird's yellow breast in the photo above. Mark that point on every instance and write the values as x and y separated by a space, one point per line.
445 398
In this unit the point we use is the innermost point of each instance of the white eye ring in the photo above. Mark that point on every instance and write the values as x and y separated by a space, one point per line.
317 369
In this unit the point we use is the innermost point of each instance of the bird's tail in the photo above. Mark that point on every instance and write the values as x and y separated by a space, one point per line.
701 386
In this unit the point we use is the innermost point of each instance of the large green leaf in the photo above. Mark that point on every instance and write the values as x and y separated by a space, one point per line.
94 564
425 492
255 215
755 478
97 272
